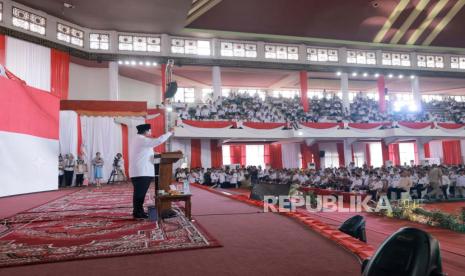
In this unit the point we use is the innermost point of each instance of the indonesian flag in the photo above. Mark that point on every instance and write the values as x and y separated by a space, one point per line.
28 138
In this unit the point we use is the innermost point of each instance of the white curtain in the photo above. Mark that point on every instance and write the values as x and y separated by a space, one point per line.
29 61
435 148
101 134
68 132
226 152
205 153
183 145
255 155
359 154
331 158
290 155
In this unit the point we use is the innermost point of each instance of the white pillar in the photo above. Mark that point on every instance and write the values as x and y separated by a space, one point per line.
345 90
420 150
415 86
113 81
198 94
216 81
347 153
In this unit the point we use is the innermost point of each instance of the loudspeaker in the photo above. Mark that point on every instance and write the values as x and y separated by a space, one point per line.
171 89
408 252
260 190
355 227
322 153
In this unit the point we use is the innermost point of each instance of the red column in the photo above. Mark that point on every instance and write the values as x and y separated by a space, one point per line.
59 73
427 150
381 88
385 152
2 49
368 154
304 89
163 81
125 136
196 160
315 148
340 154
394 155
452 152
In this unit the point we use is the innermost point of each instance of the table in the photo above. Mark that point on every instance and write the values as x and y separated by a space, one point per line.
160 199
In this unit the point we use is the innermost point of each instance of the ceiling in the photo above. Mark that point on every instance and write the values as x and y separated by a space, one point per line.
414 22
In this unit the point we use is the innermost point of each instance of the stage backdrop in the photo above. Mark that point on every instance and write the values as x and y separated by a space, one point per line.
28 139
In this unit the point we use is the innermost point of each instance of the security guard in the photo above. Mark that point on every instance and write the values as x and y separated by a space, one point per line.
141 167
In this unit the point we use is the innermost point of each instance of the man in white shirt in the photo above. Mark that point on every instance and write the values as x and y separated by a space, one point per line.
141 166
460 186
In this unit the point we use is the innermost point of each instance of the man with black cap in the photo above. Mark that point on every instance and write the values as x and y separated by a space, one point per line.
141 168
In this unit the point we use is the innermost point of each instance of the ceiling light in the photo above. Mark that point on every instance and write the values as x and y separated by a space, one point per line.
147 63
154 64
376 75
300 133
365 74
126 62
390 76
120 62
401 76
169 108
338 73
412 77
412 107
141 63
133 62
354 74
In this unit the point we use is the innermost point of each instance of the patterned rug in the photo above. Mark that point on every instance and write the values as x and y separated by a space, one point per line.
93 223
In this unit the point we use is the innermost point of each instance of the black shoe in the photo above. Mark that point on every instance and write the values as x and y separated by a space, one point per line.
141 216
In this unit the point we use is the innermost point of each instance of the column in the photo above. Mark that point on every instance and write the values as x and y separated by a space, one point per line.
345 91
163 81
198 94
216 81
347 153
303 90
381 93
415 86
420 150
113 79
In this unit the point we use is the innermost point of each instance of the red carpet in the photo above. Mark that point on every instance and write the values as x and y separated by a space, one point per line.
92 223
254 243
448 207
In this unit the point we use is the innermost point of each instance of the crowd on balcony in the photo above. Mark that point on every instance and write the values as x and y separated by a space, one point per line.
252 108
438 182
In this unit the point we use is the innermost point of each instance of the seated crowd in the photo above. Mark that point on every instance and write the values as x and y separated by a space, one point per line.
420 182
241 107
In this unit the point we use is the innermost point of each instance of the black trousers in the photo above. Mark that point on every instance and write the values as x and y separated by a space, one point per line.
141 184
68 178
60 180
79 179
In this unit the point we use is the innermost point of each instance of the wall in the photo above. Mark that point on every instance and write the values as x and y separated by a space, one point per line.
88 83
134 90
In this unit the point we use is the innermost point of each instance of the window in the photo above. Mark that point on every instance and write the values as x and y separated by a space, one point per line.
226 151
70 35
286 93
99 41
429 98
1 11
252 92
28 21
322 55
376 154
139 43
207 94
233 49
361 57
281 52
190 47
315 93
185 95
406 153
430 61
457 62
331 159
254 155
395 59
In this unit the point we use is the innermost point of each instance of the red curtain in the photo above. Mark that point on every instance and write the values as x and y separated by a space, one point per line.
450 126
452 152
315 149
243 155
306 155
208 124
368 154
236 154
303 89
414 125
59 73
427 150
79 134
163 81
322 125
340 154
394 155
384 152
124 132
2 49
382 100
266 154
263 125
216 153
276 156
158 126
196 161
367 125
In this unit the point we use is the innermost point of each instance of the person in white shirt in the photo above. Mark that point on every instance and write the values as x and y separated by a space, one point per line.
460 186
141 166
445 185
234 179
69 170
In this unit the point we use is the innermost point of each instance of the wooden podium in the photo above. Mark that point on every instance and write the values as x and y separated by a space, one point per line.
165 178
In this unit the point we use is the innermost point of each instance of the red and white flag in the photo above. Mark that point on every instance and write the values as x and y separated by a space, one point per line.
29 134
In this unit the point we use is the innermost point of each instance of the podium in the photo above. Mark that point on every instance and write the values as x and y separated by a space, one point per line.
165 178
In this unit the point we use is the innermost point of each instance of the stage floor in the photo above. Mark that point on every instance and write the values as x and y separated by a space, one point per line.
254 243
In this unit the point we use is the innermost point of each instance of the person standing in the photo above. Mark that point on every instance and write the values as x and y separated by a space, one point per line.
69 170
79 170
61 170
435 181
97 163
141 166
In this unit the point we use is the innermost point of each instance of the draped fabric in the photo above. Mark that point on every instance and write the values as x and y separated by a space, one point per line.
304 90
436 150
315 149
367 154
368 125
243 155
101 134
290 155
216 154
394 154
414 125
59 82
125 141
208 124
306 155
236 153
450 126
206 155
196 150
384 151
263 125
340 154
69 132
158 126
452 152
415 153
427 150
79 135
322 125
2 49
275 157
29 62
